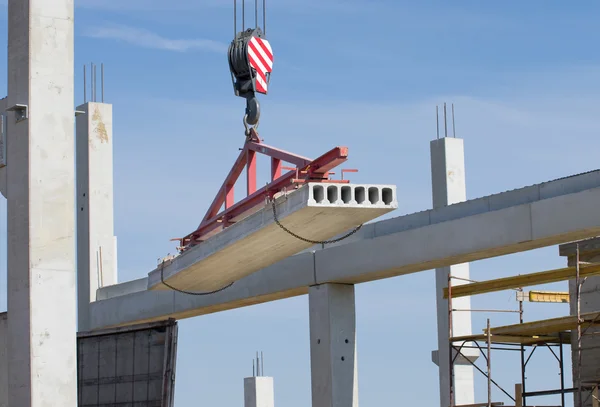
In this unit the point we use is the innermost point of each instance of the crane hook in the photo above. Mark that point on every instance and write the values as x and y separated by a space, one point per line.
252 109
250 132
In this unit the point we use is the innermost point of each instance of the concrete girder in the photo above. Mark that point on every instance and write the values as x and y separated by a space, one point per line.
533 217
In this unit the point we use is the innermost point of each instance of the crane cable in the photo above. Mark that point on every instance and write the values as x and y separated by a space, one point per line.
256 8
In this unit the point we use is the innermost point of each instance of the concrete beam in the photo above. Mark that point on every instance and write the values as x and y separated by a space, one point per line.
333 361
96 243
314 211
541 215
288 278
587 247
41 196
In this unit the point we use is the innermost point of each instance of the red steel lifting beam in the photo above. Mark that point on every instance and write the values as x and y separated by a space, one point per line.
306 170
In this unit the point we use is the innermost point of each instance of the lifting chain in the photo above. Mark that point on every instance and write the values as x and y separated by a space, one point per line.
162 280
321 242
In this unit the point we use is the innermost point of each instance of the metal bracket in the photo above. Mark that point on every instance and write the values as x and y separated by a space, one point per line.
21 112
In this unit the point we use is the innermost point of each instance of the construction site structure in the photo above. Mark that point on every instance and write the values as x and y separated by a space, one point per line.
37 176
526 337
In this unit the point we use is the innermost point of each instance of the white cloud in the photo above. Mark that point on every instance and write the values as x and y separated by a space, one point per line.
144 38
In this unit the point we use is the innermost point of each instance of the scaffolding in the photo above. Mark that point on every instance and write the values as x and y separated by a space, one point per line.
527 337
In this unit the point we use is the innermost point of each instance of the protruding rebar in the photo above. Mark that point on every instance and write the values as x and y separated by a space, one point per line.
437 121
453 126
84 85
102 81
445 122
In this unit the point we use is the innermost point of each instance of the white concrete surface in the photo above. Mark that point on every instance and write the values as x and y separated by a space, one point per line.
333 359
3 360
590 302
314 211
259 392
490 226
41 197
449 187
3 158
518 228
96 243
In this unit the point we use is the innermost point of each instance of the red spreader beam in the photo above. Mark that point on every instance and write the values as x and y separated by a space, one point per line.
304 170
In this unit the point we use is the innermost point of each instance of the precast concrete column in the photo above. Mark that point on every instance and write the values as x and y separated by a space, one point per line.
448 187
42 357
96 243
3 360
334 369
589 252
259 392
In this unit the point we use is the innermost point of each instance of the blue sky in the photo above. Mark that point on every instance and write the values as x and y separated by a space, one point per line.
366 74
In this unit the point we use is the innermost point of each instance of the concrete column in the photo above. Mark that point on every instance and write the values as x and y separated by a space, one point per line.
96 243
3 360
42 357
334 370
590 302
3 106
259 392
448 187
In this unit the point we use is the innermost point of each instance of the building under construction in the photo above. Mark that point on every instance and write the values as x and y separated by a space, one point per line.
307 232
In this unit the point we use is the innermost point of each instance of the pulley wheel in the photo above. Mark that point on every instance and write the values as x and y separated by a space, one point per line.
252 110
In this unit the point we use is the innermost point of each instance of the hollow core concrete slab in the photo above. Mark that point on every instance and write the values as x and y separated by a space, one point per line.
315 212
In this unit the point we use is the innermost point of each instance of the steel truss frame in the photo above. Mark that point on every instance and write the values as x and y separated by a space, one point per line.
304 170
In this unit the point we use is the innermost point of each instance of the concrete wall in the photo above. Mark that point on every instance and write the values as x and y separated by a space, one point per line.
3 360
134 366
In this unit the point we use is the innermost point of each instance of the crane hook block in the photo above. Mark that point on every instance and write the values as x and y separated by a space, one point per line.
251 62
